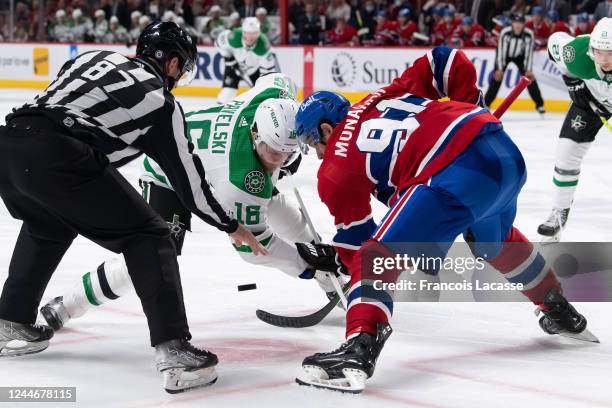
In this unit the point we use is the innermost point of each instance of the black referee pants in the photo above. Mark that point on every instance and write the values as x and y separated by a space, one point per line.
61 187
533 88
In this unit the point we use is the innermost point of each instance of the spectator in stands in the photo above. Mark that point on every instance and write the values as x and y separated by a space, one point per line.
583 25
603 9
563 7
120 9
435 17
500 23
213 26
556 25
520 7
268 28
406 27
468 34
363 18
444 29
60 31
339 10
490 14
342 34
116 32
397 6
144 21
22 13
309 26
248 9
541 29
234 21
81 27
295 10
386 32
135 25
101 25
4 35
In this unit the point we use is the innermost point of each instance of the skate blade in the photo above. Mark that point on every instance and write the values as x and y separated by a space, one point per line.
14 348
178 380
353 381
584 335
547 240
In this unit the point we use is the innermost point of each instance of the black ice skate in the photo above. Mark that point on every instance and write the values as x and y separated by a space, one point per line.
551 228
347 368
17 339
185 366
561 318
55 313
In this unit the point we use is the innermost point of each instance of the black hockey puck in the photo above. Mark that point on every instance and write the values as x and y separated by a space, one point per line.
249 286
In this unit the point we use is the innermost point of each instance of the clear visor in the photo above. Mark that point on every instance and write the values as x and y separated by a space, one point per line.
307 140
190 70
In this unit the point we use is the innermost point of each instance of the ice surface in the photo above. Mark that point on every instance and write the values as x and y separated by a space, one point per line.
440 355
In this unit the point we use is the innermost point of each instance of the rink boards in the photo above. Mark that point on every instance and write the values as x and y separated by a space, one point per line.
351 71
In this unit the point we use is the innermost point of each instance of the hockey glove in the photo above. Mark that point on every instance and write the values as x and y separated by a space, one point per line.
582 97
322 257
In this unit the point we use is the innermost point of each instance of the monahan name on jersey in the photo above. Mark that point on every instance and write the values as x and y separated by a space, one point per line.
395 138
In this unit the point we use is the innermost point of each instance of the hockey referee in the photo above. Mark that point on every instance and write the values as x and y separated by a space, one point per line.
58 159
516 44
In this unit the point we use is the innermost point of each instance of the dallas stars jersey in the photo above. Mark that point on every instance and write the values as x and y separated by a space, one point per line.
570 56
222 138
249 59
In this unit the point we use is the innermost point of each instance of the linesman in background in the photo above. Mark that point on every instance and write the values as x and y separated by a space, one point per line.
516 44
58 159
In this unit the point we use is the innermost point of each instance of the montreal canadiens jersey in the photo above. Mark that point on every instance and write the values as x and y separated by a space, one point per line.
222 138
397 137
570 55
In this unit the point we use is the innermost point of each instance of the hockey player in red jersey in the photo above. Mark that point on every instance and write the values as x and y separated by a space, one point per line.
556 24
443 31
583 25
468 34
422 159
541 30
406 27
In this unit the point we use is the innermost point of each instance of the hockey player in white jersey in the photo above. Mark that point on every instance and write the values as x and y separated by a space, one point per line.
243 146
247 55
586 65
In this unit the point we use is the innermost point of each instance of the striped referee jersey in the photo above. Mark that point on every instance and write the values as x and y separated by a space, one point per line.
120 106
515 47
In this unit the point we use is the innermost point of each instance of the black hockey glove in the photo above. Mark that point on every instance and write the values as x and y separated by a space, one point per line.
582 97
322 257
291 166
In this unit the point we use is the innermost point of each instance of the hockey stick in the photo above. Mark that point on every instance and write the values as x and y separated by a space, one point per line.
501 109
606 123
317 240
314 318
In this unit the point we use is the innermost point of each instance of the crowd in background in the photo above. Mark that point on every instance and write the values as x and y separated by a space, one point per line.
457 23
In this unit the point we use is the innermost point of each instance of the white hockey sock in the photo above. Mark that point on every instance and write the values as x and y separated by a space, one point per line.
567 171
108 282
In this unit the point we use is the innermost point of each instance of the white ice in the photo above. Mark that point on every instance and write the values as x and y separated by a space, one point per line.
440 354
